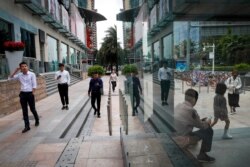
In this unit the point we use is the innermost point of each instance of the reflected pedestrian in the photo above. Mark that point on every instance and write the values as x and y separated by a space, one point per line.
135 94
234 85
164 76
220 109
63 78
28 88
113 80
95 87
186 118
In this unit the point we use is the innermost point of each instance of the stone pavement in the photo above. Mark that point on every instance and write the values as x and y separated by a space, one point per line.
43 147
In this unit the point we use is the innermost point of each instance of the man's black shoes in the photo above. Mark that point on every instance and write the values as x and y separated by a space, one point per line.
26 129
203 157
37 123
64 107
67 108
99 116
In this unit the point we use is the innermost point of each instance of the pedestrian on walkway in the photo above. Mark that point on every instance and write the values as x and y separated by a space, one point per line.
135 85
28 87
186 118
95 86
234 86
113 79
164 76
220 109
63 78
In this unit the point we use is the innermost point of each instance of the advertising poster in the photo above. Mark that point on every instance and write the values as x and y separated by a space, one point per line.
181 65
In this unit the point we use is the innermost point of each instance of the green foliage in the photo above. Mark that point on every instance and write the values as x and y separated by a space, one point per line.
95 68
242 67
129 68
217 68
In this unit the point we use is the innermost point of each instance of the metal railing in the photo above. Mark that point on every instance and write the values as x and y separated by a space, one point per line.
123 111
109 111
73 71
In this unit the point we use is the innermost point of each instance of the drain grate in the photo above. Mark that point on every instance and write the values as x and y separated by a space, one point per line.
68 157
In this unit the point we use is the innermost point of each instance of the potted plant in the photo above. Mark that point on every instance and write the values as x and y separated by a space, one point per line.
14 53
128 69
95 68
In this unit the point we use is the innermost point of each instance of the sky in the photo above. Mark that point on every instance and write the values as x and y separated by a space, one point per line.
109 9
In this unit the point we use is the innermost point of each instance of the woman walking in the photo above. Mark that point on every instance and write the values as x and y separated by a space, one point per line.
234 85
113 79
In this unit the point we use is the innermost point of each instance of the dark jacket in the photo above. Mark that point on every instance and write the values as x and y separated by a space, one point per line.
95 85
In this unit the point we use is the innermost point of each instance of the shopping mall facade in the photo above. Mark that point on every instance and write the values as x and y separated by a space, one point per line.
53 32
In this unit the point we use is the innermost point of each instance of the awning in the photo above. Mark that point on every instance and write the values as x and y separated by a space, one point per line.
90 15
128 15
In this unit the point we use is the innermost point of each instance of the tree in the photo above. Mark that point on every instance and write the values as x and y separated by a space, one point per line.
110 49
234 49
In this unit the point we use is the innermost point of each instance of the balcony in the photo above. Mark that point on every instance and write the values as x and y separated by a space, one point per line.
35 7
202 10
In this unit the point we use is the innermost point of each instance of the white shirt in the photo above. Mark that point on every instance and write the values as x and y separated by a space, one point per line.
164 74
28 81
65 77
233 84
113 77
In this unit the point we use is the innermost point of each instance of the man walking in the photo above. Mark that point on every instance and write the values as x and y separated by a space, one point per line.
164 76
95 86
28 87
135 93
186 118
63 78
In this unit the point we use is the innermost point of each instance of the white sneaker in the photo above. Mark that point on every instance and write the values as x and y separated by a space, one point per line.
227 136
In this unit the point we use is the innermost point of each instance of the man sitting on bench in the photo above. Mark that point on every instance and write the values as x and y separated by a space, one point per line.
186 118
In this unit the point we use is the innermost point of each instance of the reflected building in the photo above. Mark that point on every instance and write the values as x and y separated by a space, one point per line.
176 32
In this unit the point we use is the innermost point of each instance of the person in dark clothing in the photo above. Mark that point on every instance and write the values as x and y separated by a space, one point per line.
136 90
95 86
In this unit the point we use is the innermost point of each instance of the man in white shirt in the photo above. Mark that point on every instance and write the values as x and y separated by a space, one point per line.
164 76
63 78
28 87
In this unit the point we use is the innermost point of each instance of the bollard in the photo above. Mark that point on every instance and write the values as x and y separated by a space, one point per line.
109 119
182 86
199 87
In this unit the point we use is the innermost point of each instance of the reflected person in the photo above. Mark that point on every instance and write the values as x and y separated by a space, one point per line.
187 118
135 91
164 76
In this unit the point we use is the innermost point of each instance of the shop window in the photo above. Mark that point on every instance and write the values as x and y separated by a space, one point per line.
29 39
5 33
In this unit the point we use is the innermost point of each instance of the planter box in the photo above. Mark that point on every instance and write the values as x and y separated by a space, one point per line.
13 59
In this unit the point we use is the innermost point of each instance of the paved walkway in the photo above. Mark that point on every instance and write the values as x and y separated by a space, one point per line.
42 146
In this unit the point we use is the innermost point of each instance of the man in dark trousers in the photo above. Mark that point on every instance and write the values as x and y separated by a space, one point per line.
187 118
136 90
28 87
63 78
164 76
95 86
